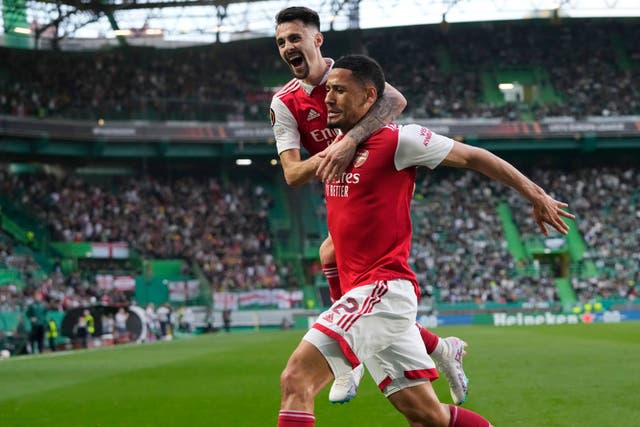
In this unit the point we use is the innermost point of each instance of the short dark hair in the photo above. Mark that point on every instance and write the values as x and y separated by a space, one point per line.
365 69
304 14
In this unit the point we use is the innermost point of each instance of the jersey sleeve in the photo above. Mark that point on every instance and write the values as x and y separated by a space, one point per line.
285 126
419 146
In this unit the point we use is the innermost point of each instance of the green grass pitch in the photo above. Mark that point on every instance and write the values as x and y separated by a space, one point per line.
570 375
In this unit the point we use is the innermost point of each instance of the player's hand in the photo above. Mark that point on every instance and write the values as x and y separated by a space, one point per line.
335 159
550 211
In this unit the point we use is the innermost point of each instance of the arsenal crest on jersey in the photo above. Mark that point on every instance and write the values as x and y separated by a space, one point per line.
361 157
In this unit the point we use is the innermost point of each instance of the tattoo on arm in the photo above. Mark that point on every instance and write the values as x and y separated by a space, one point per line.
381 113
372 121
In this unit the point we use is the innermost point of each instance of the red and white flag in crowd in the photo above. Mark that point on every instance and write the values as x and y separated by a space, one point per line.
121 283
183 290
118 250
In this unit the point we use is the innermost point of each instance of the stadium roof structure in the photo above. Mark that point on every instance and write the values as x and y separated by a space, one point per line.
207 21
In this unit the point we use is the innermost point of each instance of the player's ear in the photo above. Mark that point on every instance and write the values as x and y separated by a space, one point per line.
371 94
319 39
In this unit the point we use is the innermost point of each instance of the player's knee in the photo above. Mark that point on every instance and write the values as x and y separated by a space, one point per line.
326 252
292 380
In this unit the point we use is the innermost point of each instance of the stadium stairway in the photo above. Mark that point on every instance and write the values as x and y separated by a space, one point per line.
280 221
314 228
517 249
565 291
537 88
514 242
577 248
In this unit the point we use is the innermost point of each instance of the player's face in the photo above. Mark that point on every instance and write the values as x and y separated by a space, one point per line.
299 47
347 99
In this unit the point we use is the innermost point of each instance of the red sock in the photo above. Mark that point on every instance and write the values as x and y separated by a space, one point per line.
295 419
461 417
430 339
331 273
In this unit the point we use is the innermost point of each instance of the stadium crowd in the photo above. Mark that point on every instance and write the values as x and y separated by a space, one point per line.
459 251
60 291
607 203
578 68
223 227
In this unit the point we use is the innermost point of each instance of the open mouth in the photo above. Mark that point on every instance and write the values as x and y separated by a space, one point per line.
296 60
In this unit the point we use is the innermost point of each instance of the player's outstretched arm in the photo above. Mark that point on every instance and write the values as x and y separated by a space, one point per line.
546 210
336 158
297 171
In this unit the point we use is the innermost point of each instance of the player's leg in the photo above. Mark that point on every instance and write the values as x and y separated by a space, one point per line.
345 386
421 407
305 374
330 268
328 349
404 372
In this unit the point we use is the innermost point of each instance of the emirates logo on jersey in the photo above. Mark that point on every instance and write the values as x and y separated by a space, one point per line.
361 157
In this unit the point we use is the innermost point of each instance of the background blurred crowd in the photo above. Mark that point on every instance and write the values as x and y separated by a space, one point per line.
576 68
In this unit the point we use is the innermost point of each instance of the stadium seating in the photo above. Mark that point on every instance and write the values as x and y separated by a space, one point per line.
574 68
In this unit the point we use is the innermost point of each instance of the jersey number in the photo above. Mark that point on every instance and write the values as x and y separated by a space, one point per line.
349 306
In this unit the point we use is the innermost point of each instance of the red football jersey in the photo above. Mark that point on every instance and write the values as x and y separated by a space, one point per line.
368 207
299 116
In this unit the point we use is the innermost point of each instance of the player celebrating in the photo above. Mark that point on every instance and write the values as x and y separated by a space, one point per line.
373 320
299 117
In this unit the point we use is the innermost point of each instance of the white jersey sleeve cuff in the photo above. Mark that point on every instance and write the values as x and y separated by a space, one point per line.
419 146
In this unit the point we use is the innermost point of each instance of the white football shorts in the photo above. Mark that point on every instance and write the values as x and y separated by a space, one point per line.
375 324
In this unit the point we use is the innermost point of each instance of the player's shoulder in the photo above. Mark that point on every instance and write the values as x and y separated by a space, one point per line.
292 86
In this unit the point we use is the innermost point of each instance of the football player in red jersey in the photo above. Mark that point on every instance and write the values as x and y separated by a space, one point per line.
299 119
373 320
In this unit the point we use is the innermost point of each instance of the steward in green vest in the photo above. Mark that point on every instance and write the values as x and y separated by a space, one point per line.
91 326
52 334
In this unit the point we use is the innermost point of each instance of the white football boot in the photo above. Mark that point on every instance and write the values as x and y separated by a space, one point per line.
345 386
448 357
